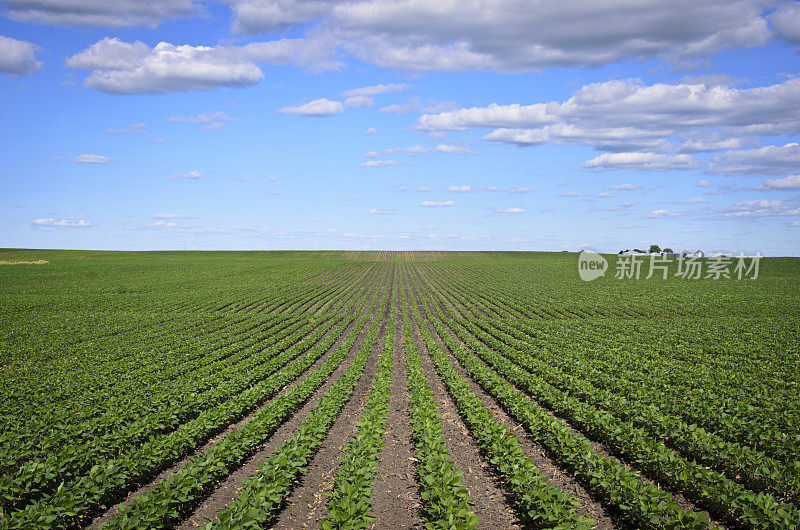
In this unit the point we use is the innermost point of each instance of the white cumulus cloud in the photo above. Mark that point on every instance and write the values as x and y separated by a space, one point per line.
18 57
792 182
120 67
768 160
629 116
504 35
786 21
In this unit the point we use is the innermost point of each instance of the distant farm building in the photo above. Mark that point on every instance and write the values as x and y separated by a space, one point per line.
688 254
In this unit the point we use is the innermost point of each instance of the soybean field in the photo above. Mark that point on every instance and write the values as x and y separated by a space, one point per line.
298 389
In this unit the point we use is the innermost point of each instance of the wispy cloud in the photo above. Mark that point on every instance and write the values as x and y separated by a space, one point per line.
640 161
61 223
378 163
509 210
356 102
401 108
134 128
188 175
410 150
208 122
454 149
162 224
627 187
658 214
376 90
757 208
167 216
436 204
318 108
91 159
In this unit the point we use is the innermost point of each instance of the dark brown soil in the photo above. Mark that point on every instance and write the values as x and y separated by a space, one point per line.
395 498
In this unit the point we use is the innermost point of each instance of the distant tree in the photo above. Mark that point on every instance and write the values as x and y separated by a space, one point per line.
669 250
620 252
640 251
654 248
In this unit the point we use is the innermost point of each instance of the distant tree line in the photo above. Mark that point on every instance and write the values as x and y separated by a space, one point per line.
653 248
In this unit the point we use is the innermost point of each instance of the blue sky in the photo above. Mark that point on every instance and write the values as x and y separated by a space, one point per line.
253 124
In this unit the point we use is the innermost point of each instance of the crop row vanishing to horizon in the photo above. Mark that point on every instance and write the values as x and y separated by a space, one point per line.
394 389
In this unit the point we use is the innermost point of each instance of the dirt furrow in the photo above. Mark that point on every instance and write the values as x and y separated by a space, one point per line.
489 501
306 505
547 467
395 497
